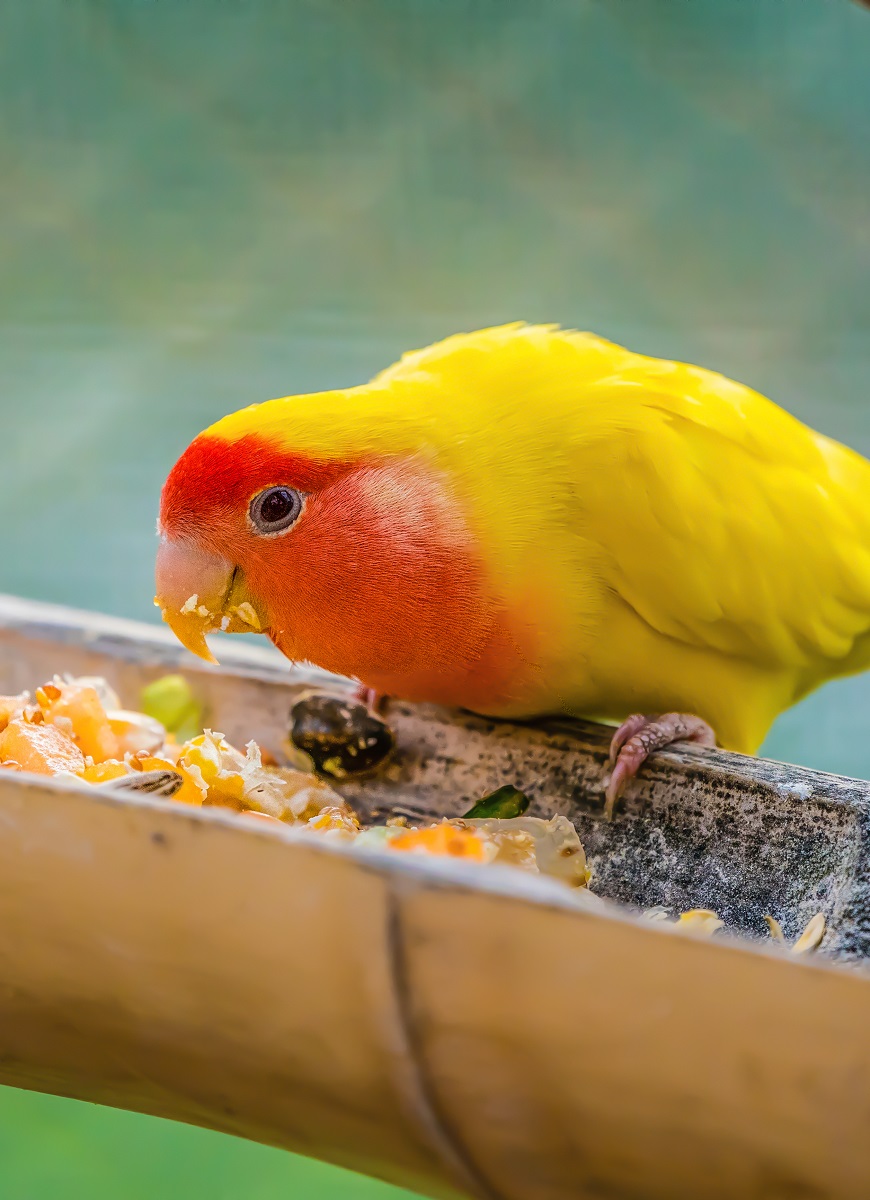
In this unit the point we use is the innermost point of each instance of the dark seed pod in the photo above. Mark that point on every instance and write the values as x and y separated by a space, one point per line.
340 736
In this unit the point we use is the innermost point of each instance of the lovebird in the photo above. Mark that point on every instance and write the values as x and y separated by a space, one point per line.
526 520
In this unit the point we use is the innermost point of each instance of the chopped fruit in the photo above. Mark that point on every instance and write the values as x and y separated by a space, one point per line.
42 749
377 836
81 722
235 780
9 706
170 700
47 694
104 772
108 695
211 759
78 711
336 819
441 839
171 748
136 733
77 726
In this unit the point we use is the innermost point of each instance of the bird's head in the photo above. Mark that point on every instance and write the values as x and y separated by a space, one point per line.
348 550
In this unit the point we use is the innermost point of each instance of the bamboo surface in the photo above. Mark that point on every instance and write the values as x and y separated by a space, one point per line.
457 1030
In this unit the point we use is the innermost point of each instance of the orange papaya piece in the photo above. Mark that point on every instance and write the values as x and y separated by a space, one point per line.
40 748
106 771
440 839
80 705
9 705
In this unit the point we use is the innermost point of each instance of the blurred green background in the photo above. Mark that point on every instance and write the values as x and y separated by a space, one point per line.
211 202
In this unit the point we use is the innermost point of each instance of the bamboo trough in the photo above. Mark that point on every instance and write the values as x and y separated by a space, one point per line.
461 1031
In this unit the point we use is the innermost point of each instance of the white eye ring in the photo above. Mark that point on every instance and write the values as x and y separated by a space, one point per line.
275 510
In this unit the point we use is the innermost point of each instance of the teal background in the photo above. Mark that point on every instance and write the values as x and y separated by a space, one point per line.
204 204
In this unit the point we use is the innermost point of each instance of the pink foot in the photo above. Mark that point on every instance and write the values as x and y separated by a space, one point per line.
639 736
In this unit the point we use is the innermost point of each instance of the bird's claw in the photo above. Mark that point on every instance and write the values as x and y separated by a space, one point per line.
638 737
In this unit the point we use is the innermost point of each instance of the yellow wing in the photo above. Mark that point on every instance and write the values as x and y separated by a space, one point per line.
726 523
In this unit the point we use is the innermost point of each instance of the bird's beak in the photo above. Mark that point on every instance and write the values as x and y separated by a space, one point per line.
200 593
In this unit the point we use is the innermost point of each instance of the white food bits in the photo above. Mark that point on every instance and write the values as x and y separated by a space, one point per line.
137 732
811 936
107 694
809 940
655 914
190 605
700 921
245 612
775 929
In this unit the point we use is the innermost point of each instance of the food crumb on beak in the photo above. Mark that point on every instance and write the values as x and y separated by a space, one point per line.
190 604
245 612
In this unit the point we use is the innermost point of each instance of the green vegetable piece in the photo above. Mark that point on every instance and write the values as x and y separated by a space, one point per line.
171 701
376 837
503 803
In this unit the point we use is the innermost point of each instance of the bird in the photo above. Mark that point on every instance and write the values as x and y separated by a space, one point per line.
527 520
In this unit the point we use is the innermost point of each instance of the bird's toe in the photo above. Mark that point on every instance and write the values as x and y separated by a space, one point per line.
639 736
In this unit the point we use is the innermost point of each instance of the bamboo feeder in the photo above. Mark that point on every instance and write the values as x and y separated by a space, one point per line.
459 1030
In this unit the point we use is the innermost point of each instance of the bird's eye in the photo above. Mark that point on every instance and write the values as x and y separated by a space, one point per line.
275 509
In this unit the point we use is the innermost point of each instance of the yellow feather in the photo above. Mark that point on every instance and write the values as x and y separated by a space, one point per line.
700 549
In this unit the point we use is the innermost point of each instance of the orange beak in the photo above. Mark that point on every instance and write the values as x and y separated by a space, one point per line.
200 593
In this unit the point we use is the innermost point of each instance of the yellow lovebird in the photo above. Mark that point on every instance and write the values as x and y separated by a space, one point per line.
525 520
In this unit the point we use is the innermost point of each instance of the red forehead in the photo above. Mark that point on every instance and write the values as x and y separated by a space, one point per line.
214 476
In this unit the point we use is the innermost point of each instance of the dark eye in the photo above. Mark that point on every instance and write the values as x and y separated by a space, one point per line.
275 510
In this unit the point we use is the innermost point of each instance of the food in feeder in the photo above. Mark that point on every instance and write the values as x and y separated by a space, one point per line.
170 700
810 938
31 745
548 847
76 727
506 801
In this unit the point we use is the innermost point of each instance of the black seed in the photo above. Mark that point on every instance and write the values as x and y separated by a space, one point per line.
341 739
